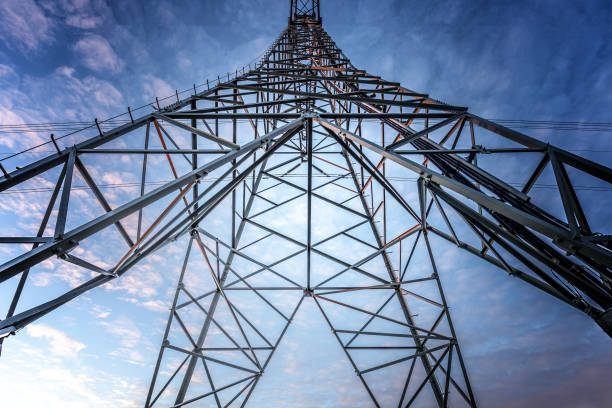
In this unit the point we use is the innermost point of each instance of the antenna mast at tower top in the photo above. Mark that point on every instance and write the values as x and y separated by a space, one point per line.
304 8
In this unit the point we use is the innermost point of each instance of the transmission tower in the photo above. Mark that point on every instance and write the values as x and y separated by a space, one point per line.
308 178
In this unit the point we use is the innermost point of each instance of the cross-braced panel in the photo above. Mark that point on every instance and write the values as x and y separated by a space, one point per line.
308 202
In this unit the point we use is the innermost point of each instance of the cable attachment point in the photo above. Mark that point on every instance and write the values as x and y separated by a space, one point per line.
55 143
6 175
98 126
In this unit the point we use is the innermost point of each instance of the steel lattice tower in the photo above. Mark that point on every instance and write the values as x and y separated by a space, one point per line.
306 138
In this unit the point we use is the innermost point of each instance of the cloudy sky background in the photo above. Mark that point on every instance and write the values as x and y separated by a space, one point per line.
75 60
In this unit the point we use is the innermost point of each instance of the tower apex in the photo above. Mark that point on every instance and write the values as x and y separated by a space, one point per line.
304 8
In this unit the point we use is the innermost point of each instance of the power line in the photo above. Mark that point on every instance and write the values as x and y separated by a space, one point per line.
76 126
294 175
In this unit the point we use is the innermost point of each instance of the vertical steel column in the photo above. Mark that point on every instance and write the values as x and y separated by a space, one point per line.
143 177
194 146
62 212
218 293
422 191
193 360
234 173
213 305
169 324
433 381
309 210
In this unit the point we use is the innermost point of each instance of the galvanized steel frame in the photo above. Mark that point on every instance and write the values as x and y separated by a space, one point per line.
306 88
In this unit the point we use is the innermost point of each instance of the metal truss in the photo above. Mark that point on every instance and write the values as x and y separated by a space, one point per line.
308 138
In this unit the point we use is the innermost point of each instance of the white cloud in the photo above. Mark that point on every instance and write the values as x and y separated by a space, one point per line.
61 344
154 86
125 330
8 117
38 378
65 71
83 14
5 70
113 177
97 54
153 305
101 312
23 25
84 21
67 96
104 93
142 281
60 271
129 355
156 305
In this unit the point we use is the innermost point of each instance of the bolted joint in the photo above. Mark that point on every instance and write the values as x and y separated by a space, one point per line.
64 248
308 292
579 301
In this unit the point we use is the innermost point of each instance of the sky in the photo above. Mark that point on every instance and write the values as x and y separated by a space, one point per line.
76 60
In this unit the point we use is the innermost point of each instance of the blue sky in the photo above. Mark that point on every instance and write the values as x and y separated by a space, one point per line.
75 60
